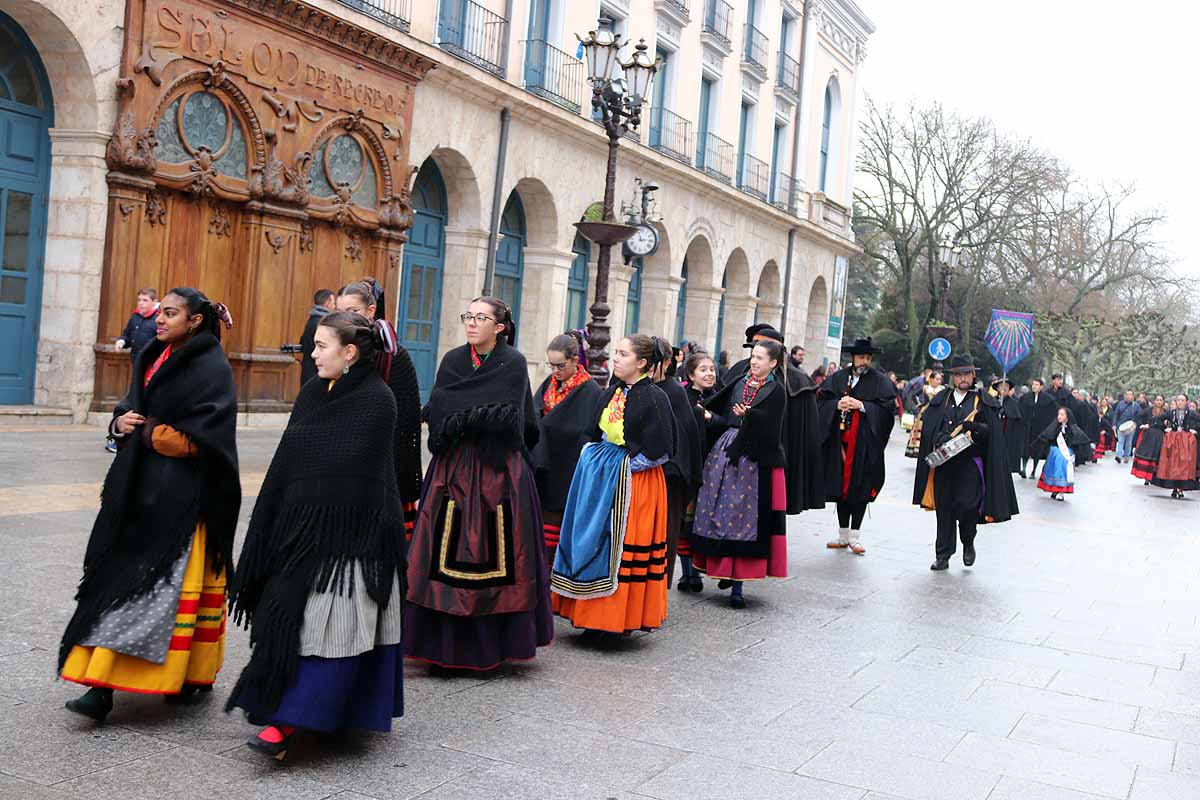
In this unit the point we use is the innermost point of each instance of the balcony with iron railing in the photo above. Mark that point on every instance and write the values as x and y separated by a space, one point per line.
554 75
681 8
394 13
787 78
718 21
473 33
754 176
715 156
671 135
781 191
755 50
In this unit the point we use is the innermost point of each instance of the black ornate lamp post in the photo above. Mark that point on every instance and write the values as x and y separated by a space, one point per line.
620 106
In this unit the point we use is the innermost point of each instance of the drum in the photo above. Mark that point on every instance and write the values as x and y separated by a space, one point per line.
1128 426
949 450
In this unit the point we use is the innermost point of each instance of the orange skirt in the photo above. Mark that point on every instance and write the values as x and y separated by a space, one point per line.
640 602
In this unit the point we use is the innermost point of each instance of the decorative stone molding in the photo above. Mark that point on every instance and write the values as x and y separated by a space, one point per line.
712 62
670 10
843 25
279 183
669 32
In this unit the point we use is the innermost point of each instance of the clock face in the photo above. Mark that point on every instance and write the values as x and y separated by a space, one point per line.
644 241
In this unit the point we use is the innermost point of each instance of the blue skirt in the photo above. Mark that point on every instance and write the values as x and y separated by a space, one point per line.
331 694
1054 474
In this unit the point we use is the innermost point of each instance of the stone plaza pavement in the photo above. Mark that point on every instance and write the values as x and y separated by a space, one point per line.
1064 666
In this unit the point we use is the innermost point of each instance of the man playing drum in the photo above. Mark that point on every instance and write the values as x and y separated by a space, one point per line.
962 468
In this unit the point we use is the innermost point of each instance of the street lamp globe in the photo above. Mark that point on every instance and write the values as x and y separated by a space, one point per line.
946 251
600 48
639 71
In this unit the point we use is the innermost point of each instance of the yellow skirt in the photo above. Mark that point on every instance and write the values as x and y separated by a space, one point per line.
197 647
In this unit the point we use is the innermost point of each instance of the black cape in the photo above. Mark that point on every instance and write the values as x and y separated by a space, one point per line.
878 395
1015 431
649 420
491 407
801 434
402 380
329 501
709 431
563 433
1038 411
687 463
151 503
999 495
1074 435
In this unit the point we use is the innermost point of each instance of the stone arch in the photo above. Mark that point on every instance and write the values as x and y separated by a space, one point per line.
700 226
71 84
768 295
699 256
817 320
463 200
660 263
736 280
541 214
736 306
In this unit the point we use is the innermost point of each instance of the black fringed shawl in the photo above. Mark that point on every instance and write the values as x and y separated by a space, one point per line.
329 500
491 407
151 503
649 422
563 433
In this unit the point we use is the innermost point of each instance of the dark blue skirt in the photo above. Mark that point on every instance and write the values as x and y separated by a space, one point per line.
331 694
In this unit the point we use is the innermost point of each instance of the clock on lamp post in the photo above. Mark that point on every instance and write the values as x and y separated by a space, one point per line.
643 242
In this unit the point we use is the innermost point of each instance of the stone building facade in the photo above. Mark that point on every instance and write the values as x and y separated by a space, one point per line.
748 137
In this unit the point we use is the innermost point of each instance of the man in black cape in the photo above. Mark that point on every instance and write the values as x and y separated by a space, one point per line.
856 408
801 436
975 485
1039 410
1012 421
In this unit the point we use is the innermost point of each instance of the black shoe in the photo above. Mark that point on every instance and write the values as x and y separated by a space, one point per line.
968 554
1021 472
190 694
737 601
95 703
685 583
1145 483
696 584
724 583
276 750
939 565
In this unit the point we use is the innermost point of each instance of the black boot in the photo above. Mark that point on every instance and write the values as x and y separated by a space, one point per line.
190 694
95 703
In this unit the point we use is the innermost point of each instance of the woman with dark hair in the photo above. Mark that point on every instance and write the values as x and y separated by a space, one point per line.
150 614
318 582
609 573
683 471
818 375
740 528
1151 432
365 297
563 404
478 581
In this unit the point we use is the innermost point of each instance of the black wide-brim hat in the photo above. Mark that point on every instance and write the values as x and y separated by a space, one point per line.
862 347
963 363
995 381
763 330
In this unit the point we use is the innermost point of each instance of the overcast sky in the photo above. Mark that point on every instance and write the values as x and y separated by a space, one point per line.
1111 87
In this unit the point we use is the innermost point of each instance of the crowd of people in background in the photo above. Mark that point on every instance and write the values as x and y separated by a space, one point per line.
574 500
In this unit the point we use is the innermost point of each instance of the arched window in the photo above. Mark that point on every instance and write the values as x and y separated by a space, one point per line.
342 160
681 305
19 80
202 120
577 283
633 301
826 124
510 255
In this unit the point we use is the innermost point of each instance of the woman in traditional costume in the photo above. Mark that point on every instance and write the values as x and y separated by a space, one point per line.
478 581
933 385
366 297
1179 459
565 405
1060 441
150 614
318 581
700 380
609 575
741 522
1108 438
1151 430
683 471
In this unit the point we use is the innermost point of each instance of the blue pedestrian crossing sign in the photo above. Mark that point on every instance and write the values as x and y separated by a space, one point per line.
939 349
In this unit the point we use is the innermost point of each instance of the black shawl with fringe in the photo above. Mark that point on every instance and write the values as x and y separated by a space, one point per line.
151 503
491 407
329 500
564 431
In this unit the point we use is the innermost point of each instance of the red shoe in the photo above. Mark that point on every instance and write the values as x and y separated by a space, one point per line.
272 741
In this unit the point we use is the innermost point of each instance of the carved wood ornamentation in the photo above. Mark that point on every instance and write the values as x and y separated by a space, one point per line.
201 79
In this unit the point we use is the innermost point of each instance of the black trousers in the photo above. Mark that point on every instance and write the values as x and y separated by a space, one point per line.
850 515
957 489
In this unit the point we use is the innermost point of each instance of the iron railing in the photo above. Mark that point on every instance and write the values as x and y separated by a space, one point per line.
474 34
671 134
682 6
554 75
755 176
717 20
754 51
788 76
715 156
389 12
781 191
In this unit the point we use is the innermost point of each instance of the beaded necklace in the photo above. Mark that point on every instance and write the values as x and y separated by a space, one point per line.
750 390
476 359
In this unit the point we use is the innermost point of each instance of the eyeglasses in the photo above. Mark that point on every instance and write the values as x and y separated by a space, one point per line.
478 319
557 365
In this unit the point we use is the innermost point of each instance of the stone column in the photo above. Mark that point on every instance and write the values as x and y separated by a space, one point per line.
739 315
619 277
76 221
660 299
543 303
772 314
700 319
462 281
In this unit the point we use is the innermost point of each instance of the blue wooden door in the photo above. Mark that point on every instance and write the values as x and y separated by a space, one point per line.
702 122
25 119
510 256
421 287
681 306
577 283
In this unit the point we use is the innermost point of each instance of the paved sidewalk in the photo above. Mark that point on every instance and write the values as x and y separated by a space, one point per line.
1064 666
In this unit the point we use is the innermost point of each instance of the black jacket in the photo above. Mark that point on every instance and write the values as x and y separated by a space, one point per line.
649 421
687 463
308 367
139 333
